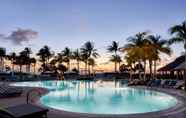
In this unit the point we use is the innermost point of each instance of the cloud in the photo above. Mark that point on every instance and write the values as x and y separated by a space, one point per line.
19 36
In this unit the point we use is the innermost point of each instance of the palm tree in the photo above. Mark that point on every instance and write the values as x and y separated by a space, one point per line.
131 60
116 59
179 35
84 58
61 68
45 54
2 56
12 57
27 52
137 46
157 46
113 48
88 51
67 56
33 61
92 63
77 57
22 59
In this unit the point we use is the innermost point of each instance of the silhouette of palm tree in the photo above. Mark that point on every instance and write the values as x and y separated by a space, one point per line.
33 61
179 32
137 46
67 56
12 57
116 59
27 52
45 54
114 47
157 45
92 63
88 51
77 57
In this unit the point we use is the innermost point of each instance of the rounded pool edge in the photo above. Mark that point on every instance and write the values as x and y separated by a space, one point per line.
178 110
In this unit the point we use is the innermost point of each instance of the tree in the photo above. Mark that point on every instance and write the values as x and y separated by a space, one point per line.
131 60
84 58
92 63
45 54
22 59
33 61
77 57
61 68
137 46
88 51
157 45
27 52
115 59
12 58
113 48
179 36
2 56
67 56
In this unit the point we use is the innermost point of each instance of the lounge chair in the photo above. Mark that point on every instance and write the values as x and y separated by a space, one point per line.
166 83
6 91
172 83
24 111
154 83
149 83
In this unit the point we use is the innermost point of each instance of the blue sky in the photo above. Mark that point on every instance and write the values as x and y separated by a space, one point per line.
70 23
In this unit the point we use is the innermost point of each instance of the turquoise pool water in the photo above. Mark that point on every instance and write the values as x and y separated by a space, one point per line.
101 97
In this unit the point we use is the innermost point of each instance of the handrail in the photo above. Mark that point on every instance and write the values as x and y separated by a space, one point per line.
29 93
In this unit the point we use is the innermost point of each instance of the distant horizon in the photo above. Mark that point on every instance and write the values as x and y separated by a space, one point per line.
62 23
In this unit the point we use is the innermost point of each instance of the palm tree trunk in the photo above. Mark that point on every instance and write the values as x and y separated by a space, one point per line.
144 76
92 69
34 68
20 68
78 65
119 66
115 66
131 73
86 67
28 68
12 66
154 70
68 65
89 70
115 62
150 67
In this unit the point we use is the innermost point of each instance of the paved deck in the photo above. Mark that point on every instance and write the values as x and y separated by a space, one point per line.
178 111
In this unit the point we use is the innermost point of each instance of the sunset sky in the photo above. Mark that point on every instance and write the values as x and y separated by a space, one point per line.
61 23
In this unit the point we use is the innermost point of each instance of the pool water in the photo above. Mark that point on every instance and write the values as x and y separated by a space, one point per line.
98 97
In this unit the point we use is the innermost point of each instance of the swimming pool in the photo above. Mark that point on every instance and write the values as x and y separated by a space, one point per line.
97 97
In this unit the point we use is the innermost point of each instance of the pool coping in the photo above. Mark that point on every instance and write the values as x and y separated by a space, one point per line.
178 111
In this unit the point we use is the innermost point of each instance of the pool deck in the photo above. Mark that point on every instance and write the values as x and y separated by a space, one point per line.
179 111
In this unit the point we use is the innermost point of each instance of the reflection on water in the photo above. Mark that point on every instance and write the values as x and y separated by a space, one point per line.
102 97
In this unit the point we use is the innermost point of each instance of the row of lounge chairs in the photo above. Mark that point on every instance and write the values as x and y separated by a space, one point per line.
164 83
158 83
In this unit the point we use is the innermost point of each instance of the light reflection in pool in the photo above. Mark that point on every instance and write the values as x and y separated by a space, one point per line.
101 97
